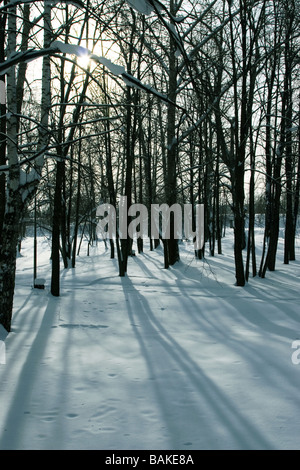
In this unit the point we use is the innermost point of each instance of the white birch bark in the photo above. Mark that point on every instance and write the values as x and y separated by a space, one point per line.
9 235
20 188
31 179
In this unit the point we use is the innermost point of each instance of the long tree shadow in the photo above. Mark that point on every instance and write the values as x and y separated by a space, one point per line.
218 420
14 427
258 310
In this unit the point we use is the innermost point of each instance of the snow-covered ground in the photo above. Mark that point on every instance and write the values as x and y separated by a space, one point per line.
174 359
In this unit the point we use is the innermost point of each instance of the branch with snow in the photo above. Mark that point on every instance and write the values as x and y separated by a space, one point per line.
145 7
135 83
73 49
115 69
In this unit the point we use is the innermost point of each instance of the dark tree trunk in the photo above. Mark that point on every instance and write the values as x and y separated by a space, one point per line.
217 203
8 254
148 173
239 224
276 189
269 172
297 194
251 229
78 197
289 253
55 253
171 196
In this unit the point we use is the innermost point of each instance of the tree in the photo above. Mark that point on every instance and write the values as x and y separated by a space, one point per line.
20 184
279 146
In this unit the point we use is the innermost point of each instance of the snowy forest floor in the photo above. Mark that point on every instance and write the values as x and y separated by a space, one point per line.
161 359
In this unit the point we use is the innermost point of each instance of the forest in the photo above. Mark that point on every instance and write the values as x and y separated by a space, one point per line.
161 102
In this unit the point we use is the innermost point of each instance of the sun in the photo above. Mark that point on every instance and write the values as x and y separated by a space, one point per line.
84 61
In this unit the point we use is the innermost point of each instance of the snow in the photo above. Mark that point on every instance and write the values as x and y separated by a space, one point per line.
70 48
161 359
83 52
133 82
76 3
141 6
28 177
144 6
114 68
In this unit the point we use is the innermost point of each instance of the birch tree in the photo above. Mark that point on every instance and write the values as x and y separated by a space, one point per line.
20 184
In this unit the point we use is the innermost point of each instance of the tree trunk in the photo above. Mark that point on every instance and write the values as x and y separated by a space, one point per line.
297 193
23 65
289 253
269 171
11 219
276 189
251 229
217 203
3 18
171 196
239 224
78 197
55 253
8 254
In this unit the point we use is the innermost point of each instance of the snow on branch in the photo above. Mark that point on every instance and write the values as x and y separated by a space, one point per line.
145 7
114 68
76 3
135 83
57 47
141 6
80 51
73 49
